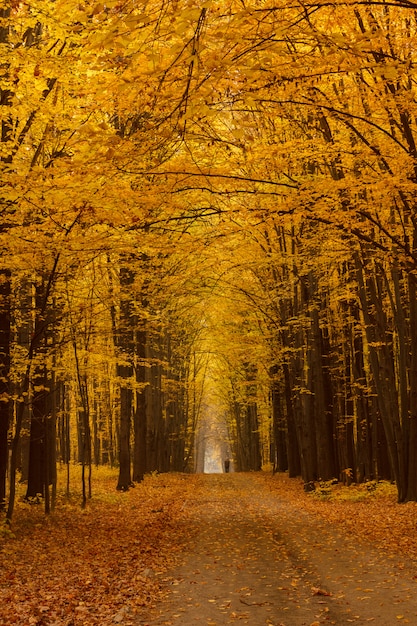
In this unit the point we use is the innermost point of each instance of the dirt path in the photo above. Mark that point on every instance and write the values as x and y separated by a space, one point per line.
254 559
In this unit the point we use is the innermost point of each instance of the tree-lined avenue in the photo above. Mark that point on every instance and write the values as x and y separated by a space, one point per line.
208 209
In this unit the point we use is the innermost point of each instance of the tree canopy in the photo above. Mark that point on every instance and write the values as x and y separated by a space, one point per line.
208 208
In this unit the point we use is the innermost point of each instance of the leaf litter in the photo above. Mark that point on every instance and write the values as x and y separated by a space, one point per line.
110 563
91 566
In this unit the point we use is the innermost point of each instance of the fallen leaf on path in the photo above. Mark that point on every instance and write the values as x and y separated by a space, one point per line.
320 592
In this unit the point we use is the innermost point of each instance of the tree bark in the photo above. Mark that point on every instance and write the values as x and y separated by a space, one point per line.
4 380
125 349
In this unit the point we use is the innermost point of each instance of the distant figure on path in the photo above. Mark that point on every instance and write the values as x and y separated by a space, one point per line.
227 466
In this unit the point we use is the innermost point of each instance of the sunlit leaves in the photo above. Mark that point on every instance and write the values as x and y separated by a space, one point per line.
239 147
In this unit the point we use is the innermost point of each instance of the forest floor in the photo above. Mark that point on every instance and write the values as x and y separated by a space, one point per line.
213 549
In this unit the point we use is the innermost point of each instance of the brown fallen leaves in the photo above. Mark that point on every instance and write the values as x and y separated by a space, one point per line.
101 565
316 591
95 566
367 515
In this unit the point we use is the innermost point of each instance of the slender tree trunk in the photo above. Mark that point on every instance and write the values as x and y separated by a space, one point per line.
411 442
125 480
95 414
38 460
4 380
139 418
41 389
306 423
279 425
125 347
294 458
5 277
323 417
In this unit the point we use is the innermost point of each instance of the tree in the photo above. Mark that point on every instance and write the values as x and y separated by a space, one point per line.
228 223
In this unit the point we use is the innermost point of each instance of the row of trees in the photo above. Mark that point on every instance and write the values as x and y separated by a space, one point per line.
321 126
222 190
95 366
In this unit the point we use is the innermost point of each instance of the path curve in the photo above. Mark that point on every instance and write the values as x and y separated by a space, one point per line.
255 559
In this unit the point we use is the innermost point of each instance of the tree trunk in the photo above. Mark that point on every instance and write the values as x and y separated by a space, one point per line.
411 443
124 343
4 380
38 460
125 480
279 425
139 416
323 417
383 375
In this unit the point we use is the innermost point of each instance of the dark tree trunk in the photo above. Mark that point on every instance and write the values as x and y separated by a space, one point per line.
242 448
156 454
380 355
5 276
255 463
95 416
125 480
139 427
124 343
279 428
294 457
323 415
40 467
4 380
411 440
38 460
304 415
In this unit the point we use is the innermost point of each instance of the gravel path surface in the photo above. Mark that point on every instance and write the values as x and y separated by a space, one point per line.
254 559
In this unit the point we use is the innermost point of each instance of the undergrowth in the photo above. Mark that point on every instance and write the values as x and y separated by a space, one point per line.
333 491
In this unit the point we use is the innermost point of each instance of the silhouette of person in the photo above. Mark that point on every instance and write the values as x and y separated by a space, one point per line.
227 466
